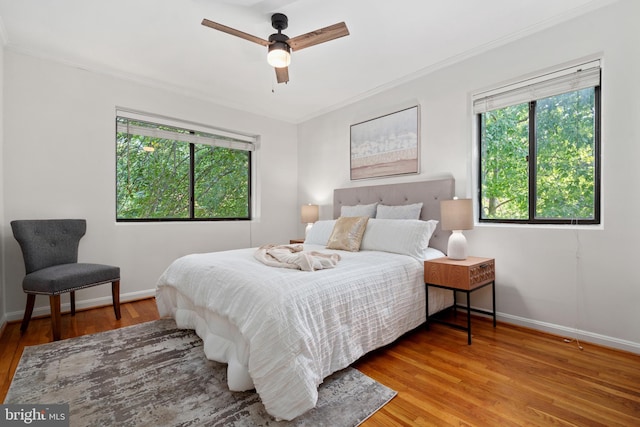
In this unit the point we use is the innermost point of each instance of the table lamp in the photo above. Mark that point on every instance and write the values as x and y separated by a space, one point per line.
457 215
308 215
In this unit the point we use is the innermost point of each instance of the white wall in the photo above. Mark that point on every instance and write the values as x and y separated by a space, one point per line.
576 282
3 309
59 161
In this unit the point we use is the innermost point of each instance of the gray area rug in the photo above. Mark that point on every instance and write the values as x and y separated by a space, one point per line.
154 374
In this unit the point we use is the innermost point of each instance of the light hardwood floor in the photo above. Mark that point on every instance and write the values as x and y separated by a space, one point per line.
509 376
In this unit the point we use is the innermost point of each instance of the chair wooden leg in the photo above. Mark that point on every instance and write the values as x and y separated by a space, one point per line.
56 320
72 298
115 292
28 311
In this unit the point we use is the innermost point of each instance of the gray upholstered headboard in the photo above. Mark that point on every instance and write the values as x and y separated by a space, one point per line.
428 192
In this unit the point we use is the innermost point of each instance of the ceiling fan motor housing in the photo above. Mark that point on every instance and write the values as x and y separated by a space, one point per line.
279 21
278 37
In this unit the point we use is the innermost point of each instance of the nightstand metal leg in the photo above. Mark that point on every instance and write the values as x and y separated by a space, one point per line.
426 306
455 303
469 318
493 290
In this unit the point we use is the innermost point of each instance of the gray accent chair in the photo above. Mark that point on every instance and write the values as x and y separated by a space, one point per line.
50 252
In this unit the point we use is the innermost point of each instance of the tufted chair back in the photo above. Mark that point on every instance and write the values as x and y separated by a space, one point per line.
48 242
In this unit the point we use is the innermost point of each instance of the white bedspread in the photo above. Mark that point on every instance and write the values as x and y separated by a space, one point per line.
293 328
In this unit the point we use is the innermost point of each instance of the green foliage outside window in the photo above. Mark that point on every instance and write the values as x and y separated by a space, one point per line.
548 175
168 179
565 139
221 182
504 166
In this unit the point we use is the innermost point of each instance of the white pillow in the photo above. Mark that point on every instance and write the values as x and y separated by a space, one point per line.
320 232
359 210
399 212
400 236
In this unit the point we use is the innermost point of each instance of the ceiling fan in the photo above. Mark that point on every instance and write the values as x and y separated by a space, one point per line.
280 45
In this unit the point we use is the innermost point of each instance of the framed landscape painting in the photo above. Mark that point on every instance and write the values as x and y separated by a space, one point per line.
387 145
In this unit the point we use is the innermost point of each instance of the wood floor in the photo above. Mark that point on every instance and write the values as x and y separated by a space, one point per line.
509 376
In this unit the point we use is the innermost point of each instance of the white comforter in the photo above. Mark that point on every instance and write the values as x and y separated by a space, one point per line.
292 328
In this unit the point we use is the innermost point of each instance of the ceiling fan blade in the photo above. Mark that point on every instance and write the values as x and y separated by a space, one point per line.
282 74
319 36
234 32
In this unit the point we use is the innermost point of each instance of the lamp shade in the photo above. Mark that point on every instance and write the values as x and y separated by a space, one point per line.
309 213
456 214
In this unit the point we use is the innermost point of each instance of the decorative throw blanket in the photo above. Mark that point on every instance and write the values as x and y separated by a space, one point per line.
293 256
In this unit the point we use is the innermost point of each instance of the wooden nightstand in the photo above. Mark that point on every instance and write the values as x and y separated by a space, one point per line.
296 241
465 276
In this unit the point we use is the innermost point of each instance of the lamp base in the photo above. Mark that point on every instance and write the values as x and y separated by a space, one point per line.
306 230
457 247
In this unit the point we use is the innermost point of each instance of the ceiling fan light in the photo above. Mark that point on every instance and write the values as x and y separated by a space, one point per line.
279 55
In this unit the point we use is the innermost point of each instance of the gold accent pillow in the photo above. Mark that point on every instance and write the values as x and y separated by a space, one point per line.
347 233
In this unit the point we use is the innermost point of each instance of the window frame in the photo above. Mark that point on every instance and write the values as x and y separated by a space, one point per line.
247 142
532 168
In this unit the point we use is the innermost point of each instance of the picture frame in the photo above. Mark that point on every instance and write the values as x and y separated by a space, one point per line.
386 146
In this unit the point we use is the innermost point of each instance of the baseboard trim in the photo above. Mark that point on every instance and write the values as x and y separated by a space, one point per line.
82 304
571 333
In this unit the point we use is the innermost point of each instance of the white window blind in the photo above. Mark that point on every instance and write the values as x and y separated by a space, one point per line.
567 80
162 127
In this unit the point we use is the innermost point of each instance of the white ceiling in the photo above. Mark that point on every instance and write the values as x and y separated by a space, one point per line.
161 42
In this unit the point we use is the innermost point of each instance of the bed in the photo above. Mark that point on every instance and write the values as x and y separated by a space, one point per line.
283 330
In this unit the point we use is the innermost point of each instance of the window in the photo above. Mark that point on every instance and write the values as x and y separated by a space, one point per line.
539 149
174 172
